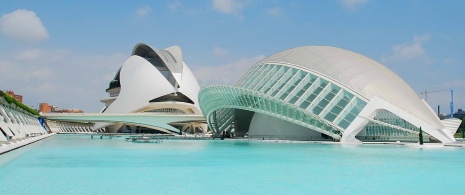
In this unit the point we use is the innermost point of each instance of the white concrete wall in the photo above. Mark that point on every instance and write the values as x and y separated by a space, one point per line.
262 124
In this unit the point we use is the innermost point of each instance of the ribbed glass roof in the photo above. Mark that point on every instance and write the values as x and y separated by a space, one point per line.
359 73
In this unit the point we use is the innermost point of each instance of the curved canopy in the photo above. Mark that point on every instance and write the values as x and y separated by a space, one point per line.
358 73
218 97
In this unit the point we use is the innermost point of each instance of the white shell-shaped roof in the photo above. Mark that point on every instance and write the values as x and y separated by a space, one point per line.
360 74
171 57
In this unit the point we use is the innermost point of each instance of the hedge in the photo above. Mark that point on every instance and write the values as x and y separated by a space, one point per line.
18 104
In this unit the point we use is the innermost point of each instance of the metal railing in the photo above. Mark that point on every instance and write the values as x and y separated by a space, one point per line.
284 137
391 138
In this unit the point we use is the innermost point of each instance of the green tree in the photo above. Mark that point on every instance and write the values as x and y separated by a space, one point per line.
463 127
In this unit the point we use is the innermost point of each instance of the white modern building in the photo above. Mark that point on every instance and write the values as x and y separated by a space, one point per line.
322 93
156 82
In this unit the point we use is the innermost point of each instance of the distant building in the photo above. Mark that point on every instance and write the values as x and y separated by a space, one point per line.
17 97
67 110
46 108
444 116
460 114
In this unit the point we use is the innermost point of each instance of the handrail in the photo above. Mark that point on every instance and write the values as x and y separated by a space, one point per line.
284 137
392 138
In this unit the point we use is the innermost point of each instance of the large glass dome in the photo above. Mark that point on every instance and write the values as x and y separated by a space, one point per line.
324 89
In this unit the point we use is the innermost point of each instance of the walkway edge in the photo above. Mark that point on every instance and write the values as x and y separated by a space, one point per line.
15 144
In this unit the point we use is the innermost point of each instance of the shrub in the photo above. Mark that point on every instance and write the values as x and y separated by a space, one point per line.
18 105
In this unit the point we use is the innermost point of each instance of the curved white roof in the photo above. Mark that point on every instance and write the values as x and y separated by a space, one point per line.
141 81
359 73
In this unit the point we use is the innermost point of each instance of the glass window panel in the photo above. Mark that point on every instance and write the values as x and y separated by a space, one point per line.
276 90
317 110
293 100
267 89
347 96
284 95
323 83
292 87
342 103
318 90
268 75
329 96
259 77
277 72
355 111
302 91
323 103
304 104
311 98
361 103
349 117
336 110
343 124
335 89
330 117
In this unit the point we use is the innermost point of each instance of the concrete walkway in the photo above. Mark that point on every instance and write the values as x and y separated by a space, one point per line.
18 143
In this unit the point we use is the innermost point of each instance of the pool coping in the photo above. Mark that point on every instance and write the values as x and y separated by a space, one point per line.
407 144
18 143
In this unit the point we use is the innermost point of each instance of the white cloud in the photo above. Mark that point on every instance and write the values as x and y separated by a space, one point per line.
144 10
411 50
220 52
29 55
16 72
274 11
23 25
227 6
408 51
71 80
42 87
41 73
227 73
352 4
449 61
174 5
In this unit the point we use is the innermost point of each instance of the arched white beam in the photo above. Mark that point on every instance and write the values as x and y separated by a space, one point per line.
377 104
143 119
186 107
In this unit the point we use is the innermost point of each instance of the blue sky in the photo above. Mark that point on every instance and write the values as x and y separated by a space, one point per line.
66 52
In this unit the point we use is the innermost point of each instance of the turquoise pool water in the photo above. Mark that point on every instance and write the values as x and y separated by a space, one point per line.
76 164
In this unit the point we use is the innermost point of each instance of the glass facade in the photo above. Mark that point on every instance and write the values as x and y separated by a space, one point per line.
285 92
220 102
301 97
376 128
